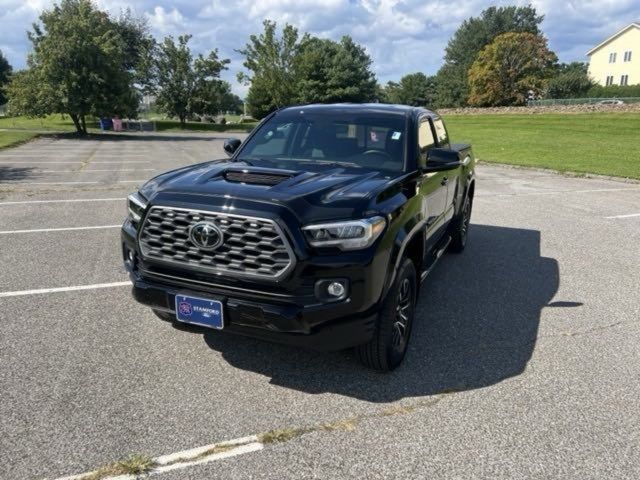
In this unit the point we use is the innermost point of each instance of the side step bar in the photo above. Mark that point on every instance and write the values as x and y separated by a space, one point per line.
444 244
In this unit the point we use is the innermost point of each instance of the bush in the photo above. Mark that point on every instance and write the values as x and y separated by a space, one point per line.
599 91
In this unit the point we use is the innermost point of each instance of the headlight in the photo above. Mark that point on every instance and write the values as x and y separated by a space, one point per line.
136 205
347 235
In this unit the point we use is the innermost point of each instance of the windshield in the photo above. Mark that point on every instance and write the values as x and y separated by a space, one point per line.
375 142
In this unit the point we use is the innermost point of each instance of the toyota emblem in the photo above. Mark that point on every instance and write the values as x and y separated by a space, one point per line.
205 235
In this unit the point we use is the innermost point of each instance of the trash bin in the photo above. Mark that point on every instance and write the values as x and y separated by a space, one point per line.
106 124
117 124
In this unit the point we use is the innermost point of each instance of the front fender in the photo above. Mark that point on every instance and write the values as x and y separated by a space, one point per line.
408 223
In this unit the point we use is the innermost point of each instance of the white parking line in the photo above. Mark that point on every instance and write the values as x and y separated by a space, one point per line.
556 192
67 200
77 161
192 457
66 229
91 171
20 293
53 183
132 181
29 155
630 215
73 154
21 162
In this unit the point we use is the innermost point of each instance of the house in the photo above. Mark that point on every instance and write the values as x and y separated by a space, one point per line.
616 61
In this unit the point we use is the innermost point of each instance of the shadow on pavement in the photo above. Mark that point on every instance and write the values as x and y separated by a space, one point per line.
477 323
12 174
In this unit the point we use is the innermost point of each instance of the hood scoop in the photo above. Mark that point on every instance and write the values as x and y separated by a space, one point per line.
269 178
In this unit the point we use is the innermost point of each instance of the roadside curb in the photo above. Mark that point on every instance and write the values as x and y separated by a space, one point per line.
594 176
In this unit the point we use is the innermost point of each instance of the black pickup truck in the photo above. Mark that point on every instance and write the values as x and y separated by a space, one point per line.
318 231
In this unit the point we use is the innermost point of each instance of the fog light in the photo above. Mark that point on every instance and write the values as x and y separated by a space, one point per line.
131 256
336 289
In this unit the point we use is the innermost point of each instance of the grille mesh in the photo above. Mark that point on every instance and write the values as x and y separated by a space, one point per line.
251 246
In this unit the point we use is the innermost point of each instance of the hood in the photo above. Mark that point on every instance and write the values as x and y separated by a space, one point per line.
330 193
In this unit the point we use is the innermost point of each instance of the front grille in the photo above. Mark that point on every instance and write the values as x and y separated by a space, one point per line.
255 178
253 247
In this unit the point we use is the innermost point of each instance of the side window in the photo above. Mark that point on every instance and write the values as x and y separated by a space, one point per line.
441 132
425 136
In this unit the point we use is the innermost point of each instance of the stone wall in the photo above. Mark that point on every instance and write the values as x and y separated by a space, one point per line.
629 107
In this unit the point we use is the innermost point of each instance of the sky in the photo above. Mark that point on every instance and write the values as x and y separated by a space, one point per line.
402 36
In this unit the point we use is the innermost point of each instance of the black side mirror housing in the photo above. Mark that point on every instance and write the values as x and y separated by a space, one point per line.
231 145
439 159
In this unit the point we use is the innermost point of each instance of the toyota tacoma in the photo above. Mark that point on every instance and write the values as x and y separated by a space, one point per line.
317 231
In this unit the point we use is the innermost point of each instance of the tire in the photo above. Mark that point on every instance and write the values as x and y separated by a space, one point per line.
460 227
386 350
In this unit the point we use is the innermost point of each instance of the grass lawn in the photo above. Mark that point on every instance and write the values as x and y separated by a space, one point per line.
55 123
58 123
174 126
604 143
12 138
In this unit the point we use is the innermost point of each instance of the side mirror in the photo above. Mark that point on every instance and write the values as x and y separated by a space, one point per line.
231 145
439 159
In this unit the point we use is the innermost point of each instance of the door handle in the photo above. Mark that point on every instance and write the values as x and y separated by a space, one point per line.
444 181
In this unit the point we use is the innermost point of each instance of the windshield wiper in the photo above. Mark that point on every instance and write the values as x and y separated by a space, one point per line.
339 164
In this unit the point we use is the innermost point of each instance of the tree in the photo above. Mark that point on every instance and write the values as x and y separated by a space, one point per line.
139 50
289 68
78 66
30 93
570 81
328 71
270 58
186 85
471 37
213 97
414 89
511 68
5 74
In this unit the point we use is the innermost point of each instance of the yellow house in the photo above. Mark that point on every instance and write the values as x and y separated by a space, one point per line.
616 61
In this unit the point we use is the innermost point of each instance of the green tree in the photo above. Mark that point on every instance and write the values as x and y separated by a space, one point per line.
5 74
213 97
414 89
328 71
186 86
511 68
30 94
269 59
139 50
78 66
571 81
471 37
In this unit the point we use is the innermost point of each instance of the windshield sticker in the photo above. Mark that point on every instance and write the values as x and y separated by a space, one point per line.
396 135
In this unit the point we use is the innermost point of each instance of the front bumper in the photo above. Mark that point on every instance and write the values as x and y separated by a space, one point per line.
285 312
269 321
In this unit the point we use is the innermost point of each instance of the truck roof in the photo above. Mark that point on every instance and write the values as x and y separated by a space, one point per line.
363 108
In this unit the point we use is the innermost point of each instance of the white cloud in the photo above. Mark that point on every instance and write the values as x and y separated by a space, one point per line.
165 21
402 36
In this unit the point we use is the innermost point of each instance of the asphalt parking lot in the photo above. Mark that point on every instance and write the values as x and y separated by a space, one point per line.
525 359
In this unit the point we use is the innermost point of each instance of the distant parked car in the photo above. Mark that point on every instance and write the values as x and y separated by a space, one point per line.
611 101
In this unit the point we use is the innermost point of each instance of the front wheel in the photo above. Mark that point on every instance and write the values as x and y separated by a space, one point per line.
386 350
